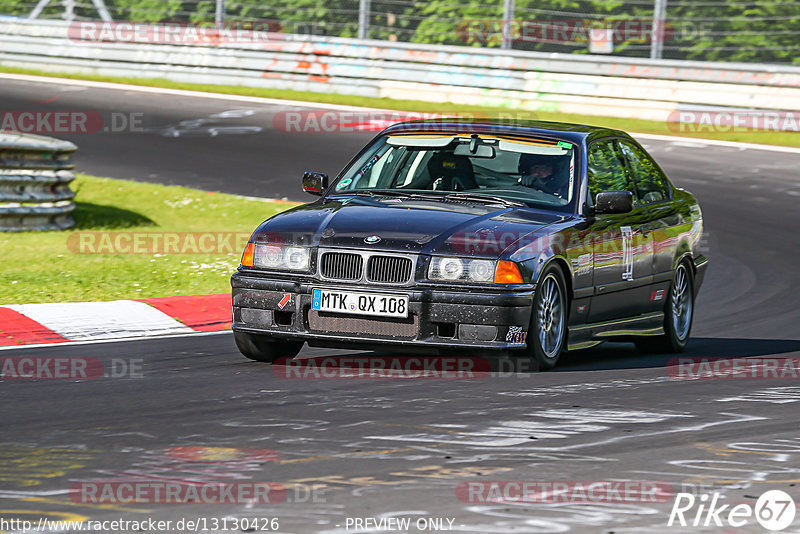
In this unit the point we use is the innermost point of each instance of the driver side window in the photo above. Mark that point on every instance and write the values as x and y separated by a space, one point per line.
651 184
606 169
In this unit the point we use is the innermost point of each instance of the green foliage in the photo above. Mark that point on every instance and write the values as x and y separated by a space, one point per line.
14 7
607 172
146 10
739 31
391 20
305 17
50 267
448 22
712 30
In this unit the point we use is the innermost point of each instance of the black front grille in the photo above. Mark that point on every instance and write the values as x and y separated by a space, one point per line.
341 266
389 269
384 327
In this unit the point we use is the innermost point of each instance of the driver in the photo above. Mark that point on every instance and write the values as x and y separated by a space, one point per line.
539 172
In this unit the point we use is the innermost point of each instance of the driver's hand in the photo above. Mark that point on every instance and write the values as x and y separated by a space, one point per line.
531 181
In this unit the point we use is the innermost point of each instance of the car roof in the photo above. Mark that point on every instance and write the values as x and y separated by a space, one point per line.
576 133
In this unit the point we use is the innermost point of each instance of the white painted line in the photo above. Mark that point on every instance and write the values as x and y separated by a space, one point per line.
686 144
318 105
29 494
186 92
717 142
115 340
81 321
689 429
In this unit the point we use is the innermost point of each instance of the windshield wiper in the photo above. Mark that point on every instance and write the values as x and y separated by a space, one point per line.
485 199
470 197
392 193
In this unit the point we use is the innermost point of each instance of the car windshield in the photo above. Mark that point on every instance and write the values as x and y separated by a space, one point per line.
480 168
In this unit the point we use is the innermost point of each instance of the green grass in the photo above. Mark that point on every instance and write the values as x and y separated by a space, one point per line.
629 125
46 266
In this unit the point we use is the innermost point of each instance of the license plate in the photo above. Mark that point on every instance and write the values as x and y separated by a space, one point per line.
359 303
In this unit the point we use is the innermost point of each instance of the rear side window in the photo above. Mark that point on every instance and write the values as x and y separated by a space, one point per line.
651 184
607 170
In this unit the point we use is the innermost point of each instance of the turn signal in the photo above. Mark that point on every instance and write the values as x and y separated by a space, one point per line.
247 257
507 272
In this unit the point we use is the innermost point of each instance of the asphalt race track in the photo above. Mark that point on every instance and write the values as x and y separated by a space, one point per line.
197 410
216 145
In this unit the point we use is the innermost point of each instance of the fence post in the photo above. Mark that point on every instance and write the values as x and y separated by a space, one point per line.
657 41
363 19
508 24
69 10
219 17
102 10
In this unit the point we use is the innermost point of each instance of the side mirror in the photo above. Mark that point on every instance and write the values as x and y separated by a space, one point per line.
613 202
315 183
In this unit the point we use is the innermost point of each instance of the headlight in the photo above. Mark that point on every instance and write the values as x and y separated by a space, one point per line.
450 268
481 270
296 258
282 257
458 269
268 256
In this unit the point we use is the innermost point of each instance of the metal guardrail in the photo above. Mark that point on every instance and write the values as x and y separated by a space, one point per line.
35 173
530 81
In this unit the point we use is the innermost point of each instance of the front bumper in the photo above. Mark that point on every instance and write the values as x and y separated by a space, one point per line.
439 318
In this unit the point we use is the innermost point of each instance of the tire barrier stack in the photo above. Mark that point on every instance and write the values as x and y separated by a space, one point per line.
35 173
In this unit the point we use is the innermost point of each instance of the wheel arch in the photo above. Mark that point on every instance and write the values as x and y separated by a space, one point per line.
565 271
684 253
689 261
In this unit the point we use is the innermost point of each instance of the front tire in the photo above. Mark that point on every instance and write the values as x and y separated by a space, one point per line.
678 315
266 349
547 333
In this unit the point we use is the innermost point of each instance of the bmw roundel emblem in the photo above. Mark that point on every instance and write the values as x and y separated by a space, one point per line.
371 240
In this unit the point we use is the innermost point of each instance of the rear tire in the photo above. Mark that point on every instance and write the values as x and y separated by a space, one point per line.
678 315
266 349
547 332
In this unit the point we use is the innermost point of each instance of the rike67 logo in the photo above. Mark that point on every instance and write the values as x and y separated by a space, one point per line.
774 510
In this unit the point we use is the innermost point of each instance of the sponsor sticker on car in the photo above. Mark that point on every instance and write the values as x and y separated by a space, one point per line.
359 303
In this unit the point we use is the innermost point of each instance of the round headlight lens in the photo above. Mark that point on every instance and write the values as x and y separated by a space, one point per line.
296 258
268 256
451 268
481 270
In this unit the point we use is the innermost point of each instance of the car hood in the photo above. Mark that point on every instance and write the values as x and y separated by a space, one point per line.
405 226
